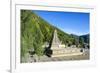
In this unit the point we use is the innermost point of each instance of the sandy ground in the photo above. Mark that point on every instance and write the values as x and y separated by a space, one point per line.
65 58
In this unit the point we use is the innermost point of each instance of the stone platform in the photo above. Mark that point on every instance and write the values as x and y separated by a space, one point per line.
65 52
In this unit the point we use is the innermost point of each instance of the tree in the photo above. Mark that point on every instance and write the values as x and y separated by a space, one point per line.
38 43
31 35
81 41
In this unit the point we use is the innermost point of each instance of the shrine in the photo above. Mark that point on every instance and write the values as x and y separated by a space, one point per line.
59 49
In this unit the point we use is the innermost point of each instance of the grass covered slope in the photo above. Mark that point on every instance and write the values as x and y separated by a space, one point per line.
35 31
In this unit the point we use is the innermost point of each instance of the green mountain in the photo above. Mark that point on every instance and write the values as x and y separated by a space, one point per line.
35 32
86 38
83 39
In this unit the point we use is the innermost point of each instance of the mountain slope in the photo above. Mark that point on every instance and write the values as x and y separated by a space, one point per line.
86 38
35 31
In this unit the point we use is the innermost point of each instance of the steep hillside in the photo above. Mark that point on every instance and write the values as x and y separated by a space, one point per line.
35 32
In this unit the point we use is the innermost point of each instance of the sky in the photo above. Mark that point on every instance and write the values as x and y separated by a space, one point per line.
70 22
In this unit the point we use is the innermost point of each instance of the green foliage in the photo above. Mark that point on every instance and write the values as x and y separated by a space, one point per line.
31 35
35 32
81 41
86 38
66 38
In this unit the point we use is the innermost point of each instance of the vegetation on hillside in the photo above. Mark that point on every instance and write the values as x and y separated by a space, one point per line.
35 32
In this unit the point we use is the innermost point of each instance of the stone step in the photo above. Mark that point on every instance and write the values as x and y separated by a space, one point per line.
67 54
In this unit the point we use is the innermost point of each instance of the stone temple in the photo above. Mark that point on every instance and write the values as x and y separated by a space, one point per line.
58 49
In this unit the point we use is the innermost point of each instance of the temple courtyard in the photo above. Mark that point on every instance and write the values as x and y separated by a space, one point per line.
58 52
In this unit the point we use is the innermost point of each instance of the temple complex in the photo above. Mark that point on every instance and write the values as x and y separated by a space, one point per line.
58 49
